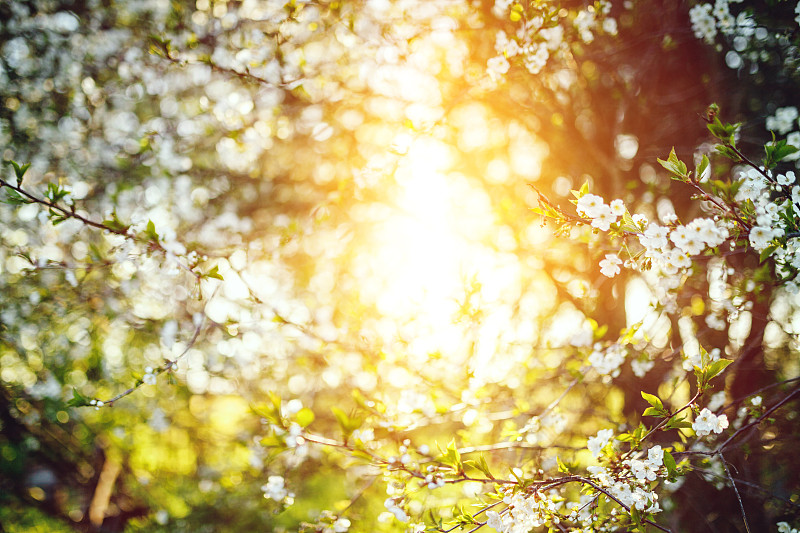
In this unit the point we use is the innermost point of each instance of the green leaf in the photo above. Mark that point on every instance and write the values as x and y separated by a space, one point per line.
766 252
652 411
678 423
724 132
115 224
776 151
653 400
151 231
669 462
78 399
484 467
360 454
636 517
582 191
701 168
716 367
214 273
347 423
727 152
675 166
452 458
19 170
627 334
624 437
272 441
561 466
15 198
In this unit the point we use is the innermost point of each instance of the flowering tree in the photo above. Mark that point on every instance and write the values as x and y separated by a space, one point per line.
313 265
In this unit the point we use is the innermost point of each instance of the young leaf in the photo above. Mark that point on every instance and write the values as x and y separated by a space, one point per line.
669 462
19 171
151 231
636 517
716 367
702 167
653 400
766 252
214 273
652 411
675 166
678 423
78 399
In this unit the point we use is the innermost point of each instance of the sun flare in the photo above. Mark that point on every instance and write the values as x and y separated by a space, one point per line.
433 247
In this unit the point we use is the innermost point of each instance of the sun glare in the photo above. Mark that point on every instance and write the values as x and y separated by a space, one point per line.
433 246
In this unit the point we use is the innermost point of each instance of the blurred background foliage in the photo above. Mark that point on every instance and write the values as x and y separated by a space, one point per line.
364 189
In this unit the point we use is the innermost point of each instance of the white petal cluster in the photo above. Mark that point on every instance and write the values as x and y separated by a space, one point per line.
535 43
703 24
717 400
784 527
434 481
392 506
608 361
708 20
706 422
149 377
540 429
775 199
341 525
524 512
599 441
647 469
275 489
603 215
635 496
609 266
698 235
641 368
783 121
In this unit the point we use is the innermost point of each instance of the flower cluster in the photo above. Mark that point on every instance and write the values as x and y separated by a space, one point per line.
776 200
668 247
647 469
327 522
642 366
748 39
786 121
610 266
599 441
150 377
524 512
707 20
706 422
393 506
275 489
630 487
96 403
601 214
607 361
538 429
536 40
784 527
434 479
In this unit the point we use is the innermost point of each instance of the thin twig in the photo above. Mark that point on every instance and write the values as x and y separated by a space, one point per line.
736 490
167 366
71 213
